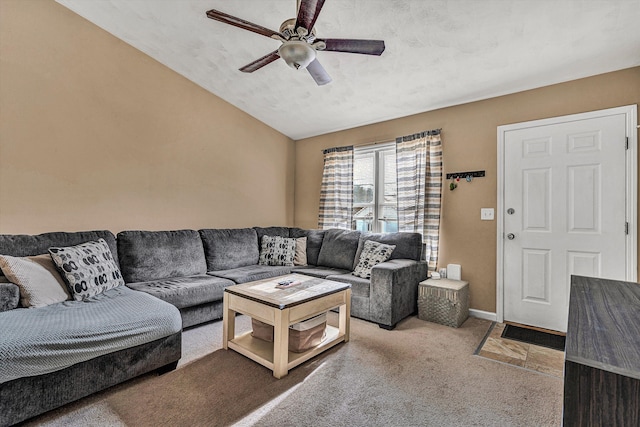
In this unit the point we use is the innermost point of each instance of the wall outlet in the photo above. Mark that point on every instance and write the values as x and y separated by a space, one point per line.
486 214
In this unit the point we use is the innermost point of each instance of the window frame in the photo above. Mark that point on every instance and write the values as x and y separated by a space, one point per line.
378 153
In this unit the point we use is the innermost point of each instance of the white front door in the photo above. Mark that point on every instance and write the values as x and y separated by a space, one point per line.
564 213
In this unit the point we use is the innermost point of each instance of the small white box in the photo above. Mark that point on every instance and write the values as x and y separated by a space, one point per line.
454 272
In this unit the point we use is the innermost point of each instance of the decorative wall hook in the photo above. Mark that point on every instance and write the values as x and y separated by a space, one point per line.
466 175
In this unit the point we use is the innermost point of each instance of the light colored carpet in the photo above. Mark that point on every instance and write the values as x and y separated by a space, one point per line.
420 374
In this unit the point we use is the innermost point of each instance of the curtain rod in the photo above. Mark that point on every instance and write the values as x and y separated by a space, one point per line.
383 141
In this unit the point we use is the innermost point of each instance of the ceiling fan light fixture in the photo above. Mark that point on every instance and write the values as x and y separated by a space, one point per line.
297 54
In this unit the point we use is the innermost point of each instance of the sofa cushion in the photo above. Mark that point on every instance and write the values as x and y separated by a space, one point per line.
271 231
276 250
155 255
373 254
47 339
185 291
359 286
226 249
314 242
37 278
88 269
250 273
339 249
318 271
408 245
28 245
9 296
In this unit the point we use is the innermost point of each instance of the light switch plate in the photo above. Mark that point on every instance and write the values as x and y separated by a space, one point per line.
486 214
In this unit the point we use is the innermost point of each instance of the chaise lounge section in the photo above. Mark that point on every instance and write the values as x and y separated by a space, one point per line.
62 352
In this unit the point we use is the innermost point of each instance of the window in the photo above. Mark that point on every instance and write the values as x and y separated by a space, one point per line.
375 189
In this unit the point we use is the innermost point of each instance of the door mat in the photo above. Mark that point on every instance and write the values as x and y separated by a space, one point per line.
532 336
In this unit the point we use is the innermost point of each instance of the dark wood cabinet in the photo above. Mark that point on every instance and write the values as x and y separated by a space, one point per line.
602 361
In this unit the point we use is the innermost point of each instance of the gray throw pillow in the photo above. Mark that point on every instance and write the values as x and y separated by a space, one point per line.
276 250
372 254
88 269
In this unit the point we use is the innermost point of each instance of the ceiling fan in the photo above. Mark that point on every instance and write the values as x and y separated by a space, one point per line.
299 42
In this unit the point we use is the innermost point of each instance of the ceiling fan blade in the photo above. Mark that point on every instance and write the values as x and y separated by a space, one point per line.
308 13
366 47
318 73
241 23
259 63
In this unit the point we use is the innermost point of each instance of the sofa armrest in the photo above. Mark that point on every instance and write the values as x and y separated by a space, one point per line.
9 296
394 290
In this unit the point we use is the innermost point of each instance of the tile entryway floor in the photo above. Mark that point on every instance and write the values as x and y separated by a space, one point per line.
528 356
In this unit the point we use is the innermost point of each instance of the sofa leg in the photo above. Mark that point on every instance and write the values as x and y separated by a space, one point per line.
167 368
387 327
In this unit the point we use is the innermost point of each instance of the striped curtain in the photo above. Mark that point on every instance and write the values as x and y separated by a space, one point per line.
336 192
419 174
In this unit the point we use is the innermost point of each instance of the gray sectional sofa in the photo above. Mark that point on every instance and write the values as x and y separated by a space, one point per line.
181 276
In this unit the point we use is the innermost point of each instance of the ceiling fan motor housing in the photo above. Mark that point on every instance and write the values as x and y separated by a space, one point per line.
298 49
289 31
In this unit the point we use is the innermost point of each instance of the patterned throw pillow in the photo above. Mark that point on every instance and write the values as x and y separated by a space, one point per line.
372 254
277 250
88 269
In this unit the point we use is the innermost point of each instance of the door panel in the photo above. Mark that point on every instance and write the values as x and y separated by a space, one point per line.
566 185
536 278
536 199
584 188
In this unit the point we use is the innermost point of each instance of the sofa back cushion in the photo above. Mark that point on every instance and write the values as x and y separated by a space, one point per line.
314 242
154 255
225 249
271 231
339 249
21 245
408 245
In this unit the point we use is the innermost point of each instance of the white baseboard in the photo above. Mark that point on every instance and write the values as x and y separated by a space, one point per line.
480 314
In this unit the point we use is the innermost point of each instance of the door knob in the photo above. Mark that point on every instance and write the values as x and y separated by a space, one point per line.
511 236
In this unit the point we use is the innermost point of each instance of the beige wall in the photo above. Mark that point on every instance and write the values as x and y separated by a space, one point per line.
95 134
469 143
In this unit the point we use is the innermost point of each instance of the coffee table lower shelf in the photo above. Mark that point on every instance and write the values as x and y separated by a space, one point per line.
262 351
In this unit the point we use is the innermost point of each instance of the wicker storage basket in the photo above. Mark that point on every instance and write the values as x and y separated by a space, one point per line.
302 336
444 301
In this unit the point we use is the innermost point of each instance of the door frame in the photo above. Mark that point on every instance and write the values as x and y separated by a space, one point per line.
631 114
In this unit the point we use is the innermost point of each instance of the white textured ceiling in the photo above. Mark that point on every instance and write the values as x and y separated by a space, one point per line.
438 53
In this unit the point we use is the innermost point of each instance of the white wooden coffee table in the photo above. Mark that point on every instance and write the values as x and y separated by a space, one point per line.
281 308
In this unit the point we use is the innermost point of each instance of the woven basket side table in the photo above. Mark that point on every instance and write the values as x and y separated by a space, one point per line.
443 301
